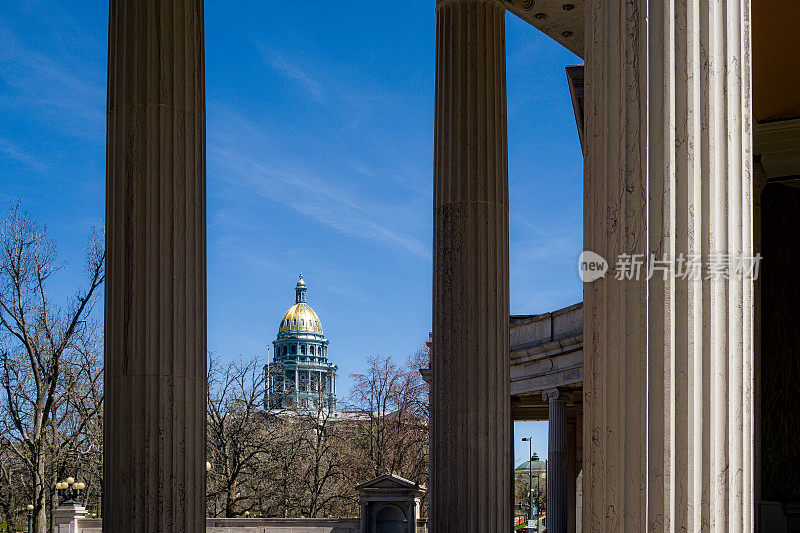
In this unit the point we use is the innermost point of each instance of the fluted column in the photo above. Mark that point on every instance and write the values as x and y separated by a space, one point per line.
572 472
155 315
470 470
556 460
668 361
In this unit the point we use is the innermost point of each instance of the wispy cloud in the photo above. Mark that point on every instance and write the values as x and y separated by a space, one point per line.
12 151
49 88
255 166
293 70
318 200
539 257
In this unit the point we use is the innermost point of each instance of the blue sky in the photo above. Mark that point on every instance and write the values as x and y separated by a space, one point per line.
320 150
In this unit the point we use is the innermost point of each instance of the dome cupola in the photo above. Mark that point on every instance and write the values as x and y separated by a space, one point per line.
300 291
300 319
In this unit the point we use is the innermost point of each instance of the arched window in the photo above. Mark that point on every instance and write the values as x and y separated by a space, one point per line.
302 322
294 322
303 349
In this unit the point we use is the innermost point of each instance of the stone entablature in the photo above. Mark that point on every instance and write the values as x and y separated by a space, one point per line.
546 353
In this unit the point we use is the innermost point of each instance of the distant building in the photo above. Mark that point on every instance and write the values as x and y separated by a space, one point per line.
537 467
300 374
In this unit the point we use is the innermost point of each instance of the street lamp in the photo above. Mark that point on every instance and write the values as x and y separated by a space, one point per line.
70 491
529 440
208 466
30 517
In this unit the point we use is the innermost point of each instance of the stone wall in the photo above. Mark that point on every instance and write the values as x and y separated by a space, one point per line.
253 525
282 525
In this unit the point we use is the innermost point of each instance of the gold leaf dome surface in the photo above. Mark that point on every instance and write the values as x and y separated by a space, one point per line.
300 317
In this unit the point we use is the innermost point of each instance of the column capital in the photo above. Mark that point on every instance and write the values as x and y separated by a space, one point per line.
557 394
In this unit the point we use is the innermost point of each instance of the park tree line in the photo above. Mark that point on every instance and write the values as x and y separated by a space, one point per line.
306 461
289 463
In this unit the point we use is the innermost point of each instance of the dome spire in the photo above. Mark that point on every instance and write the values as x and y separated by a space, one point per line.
300 290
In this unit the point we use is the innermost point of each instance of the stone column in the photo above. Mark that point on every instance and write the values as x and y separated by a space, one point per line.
470 470
572 472
556 461
668 360
155 312
364 526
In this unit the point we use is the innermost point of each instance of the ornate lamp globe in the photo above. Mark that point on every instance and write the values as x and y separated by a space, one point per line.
300 375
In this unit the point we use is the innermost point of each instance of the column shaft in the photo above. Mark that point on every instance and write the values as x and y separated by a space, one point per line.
155 314
668 360
572 473
556 462
470 464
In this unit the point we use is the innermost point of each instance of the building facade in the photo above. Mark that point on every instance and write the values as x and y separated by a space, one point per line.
675 422
300 374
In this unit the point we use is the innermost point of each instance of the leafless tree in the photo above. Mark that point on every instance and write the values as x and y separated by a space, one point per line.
392 401
237 427
322 443
279 486
12 479
305 459
39 342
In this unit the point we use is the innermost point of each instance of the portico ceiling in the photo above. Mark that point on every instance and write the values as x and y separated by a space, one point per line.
562 20
776 46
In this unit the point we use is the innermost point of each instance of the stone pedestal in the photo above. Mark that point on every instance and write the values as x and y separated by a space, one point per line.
155 313
668 360
66 517
471 414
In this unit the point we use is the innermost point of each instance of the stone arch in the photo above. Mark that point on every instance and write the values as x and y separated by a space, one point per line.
390 518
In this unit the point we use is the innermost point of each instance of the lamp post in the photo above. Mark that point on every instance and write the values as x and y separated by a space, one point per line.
29 508
535 458
530 475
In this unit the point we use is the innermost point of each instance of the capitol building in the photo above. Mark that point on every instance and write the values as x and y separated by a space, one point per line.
300 375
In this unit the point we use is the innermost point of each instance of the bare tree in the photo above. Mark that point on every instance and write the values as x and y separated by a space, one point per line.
279 485
12 499
236 436
77 443
38 343
321 443
392 401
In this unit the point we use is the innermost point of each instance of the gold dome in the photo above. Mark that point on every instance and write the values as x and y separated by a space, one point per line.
300 317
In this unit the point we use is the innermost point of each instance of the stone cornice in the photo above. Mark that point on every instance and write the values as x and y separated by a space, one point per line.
778 144
442 3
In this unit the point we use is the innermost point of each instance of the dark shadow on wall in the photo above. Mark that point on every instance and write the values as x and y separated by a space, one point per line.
780 344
